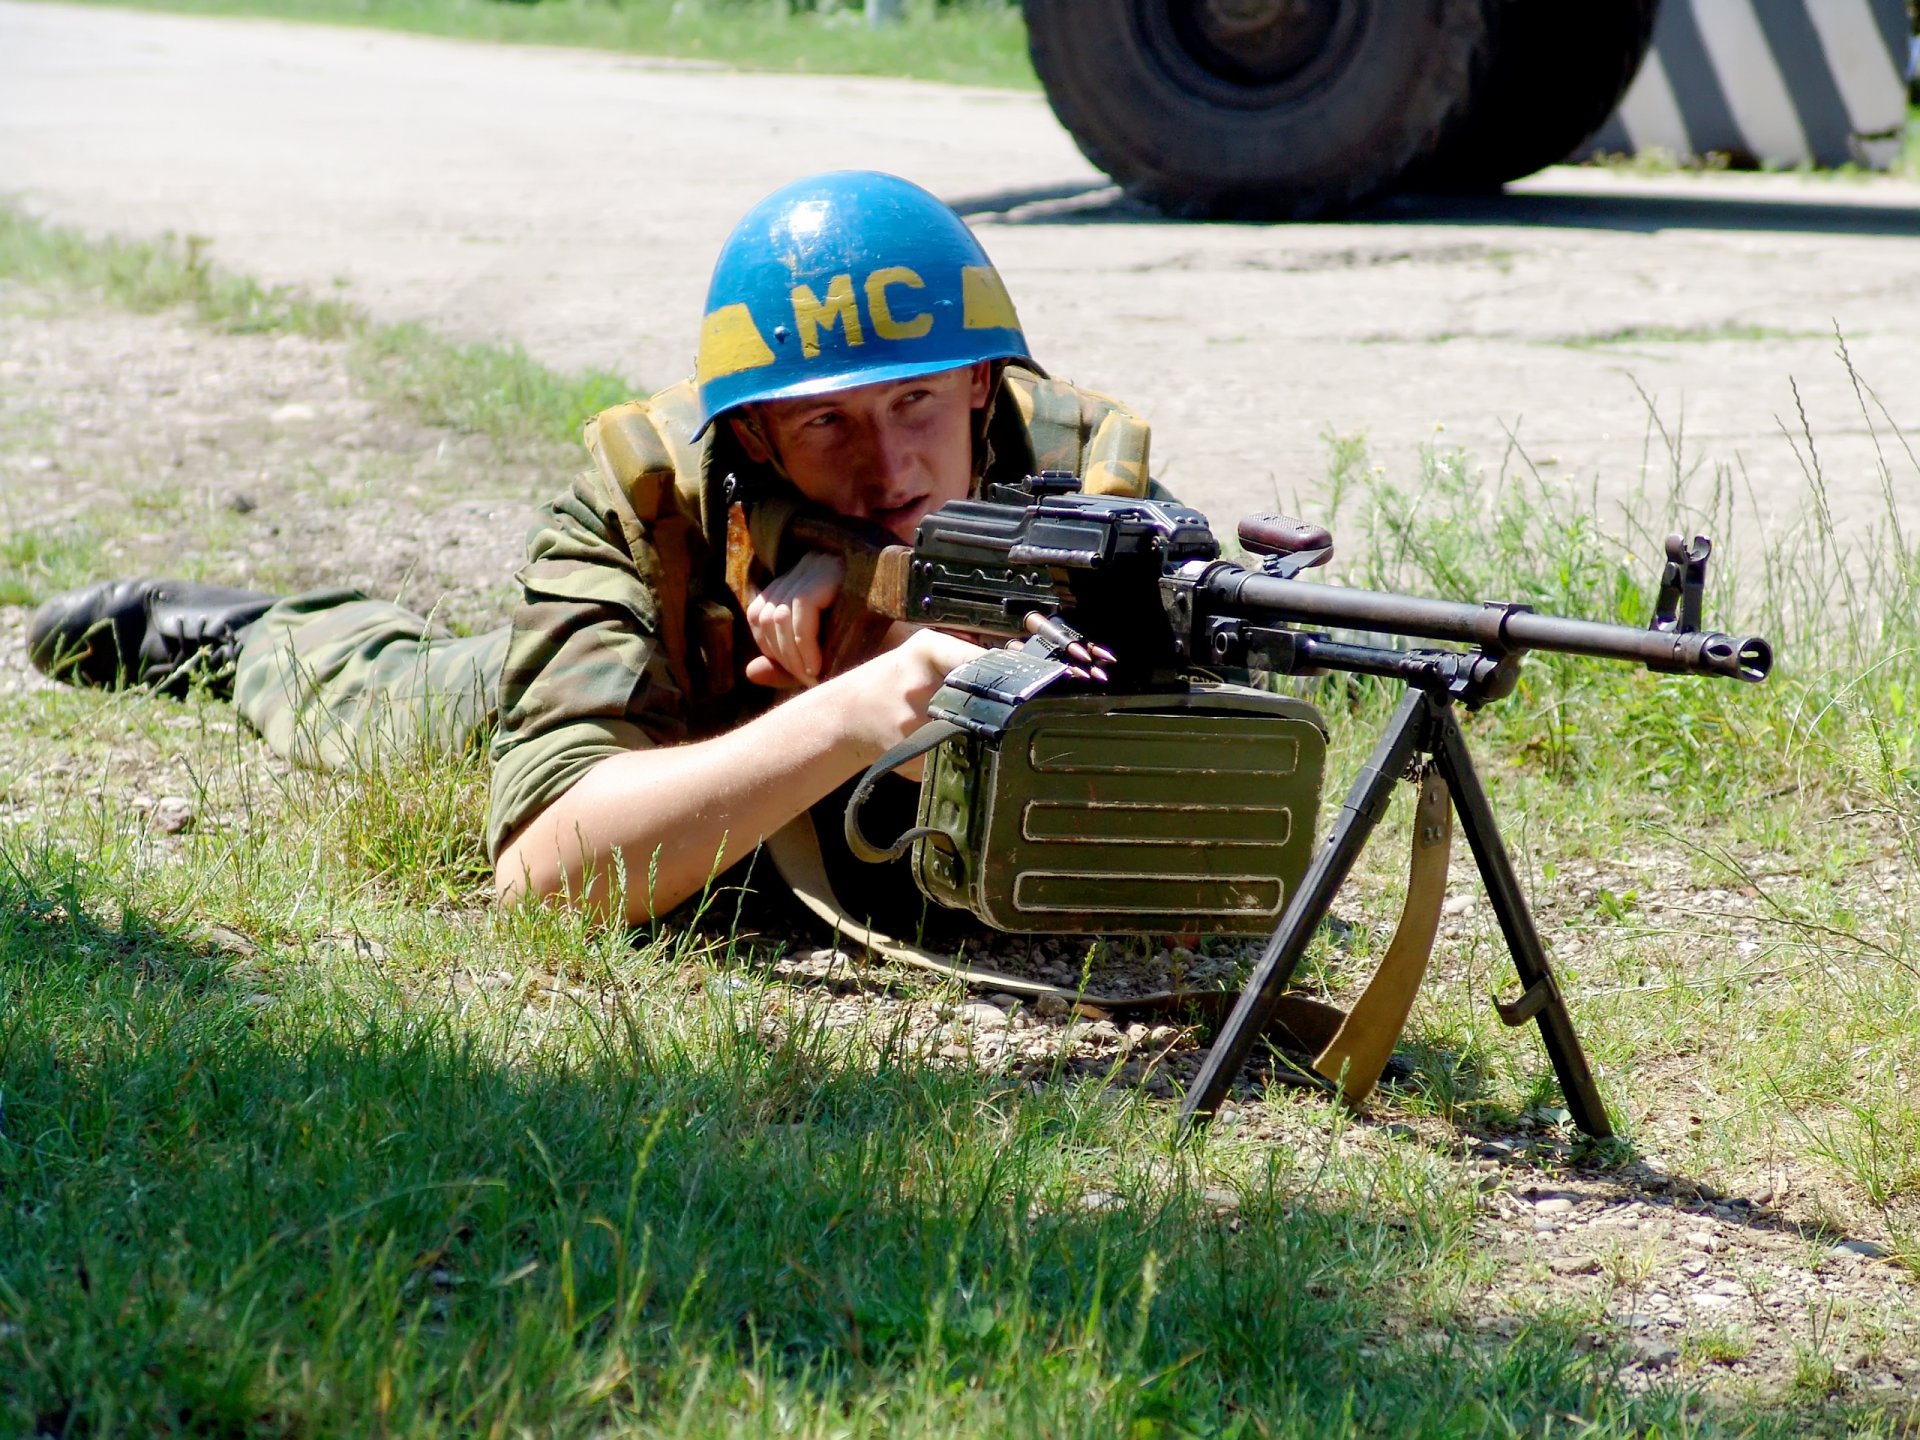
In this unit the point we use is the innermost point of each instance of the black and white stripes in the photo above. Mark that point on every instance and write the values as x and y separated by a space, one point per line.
1776 82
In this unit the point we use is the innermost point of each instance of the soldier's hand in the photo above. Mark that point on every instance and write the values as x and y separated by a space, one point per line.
895 686
785 620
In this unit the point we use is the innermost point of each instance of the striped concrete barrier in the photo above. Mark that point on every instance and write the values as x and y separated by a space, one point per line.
1770 82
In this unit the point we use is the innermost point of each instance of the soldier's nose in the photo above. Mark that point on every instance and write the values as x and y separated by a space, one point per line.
895 468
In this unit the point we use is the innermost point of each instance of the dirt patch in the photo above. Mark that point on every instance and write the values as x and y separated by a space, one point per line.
251 460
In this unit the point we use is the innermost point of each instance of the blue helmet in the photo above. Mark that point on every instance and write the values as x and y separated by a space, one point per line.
847 279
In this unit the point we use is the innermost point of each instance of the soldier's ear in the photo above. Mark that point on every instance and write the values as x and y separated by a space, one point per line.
979 383
753 439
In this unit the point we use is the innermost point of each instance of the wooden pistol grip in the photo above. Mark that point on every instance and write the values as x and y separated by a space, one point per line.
853 634
872 597
872 594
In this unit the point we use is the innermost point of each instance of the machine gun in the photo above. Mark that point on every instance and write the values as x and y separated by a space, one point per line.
1131 596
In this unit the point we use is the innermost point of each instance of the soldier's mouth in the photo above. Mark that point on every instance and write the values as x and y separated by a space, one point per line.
900 518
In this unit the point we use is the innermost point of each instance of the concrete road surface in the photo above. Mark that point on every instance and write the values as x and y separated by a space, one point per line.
574 201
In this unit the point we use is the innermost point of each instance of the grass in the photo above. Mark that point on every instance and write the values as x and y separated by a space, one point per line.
1811 1005
294 1189
1747 333
497 390
1658 161
299 1136
33 565
975 42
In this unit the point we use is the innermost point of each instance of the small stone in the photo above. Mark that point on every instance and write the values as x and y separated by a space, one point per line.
1051 1007
171 815
1458 905
1724 1286
1653 1354
1101 1201
982 1015
1707 1300
1845 1250
1703 1240
241 503
1004 1000
41 464
1553 1205
294 414
1693 1265
220 937
1574 1265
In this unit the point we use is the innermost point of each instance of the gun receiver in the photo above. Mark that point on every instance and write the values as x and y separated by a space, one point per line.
1144 579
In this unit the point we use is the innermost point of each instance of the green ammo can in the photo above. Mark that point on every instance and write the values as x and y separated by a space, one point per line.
1155 812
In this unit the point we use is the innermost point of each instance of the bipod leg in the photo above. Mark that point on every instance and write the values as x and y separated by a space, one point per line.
1540 997
1407 734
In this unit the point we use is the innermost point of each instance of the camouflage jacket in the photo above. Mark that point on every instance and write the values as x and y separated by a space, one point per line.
626 635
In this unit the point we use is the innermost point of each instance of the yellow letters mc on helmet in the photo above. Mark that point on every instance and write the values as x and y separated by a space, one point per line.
844 279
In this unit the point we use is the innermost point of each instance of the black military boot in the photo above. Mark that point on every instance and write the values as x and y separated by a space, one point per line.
161 633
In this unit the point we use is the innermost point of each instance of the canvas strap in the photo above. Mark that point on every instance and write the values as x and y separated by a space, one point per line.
1300 1023
1353 1060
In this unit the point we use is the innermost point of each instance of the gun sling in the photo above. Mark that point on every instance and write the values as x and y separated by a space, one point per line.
1356 1056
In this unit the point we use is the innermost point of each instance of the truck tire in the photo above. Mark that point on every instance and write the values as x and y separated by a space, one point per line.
1257 109
1556 71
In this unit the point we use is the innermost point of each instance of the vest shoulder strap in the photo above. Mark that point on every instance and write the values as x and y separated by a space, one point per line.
1093 435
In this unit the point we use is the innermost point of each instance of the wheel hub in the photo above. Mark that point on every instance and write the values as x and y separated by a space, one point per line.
1260 40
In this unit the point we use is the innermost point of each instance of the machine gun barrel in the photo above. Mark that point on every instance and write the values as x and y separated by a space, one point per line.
1229 590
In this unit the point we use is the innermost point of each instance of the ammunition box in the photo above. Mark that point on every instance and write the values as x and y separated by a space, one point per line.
1150 813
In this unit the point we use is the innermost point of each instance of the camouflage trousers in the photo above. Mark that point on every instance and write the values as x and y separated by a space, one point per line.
336 681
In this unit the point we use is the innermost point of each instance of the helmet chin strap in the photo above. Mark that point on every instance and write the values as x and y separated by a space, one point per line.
982 425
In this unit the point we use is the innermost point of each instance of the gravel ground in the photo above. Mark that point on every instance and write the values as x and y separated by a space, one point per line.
256 460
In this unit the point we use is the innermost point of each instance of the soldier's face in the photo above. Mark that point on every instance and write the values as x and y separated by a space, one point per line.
890 453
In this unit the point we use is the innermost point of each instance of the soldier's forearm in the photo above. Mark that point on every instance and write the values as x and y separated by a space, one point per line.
677 816
670 819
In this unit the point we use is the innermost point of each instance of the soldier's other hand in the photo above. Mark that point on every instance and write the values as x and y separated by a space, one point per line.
785 620
896 685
